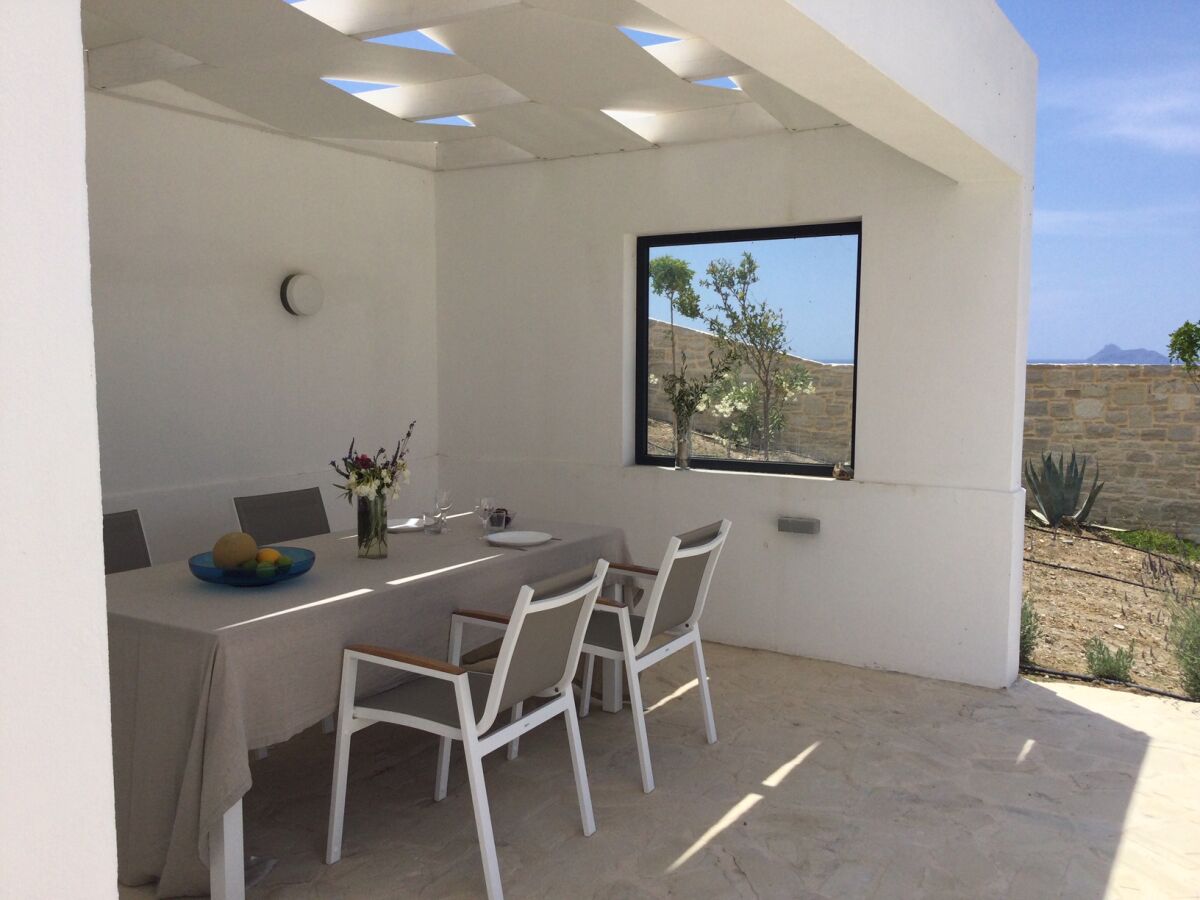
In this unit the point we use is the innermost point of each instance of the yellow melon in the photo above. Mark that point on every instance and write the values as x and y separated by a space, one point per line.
233 549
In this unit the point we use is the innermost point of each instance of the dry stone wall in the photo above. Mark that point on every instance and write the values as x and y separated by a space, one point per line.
818 424
1140 423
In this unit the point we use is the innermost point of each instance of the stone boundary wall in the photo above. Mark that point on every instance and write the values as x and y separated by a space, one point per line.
818 424
1140 423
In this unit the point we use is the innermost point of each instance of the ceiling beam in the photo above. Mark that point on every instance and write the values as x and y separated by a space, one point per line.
966 112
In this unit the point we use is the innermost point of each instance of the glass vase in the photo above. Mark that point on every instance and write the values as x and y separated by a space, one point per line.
372 527
683 444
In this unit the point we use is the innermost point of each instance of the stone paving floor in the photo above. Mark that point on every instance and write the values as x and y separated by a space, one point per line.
827 782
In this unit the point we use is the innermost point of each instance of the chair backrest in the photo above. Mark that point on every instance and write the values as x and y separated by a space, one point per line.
124 542
284 516
544 638
681 588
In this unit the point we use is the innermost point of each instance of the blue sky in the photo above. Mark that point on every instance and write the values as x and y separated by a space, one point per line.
1116 246
810 279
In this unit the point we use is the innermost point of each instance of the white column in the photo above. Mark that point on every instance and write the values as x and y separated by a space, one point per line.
56 776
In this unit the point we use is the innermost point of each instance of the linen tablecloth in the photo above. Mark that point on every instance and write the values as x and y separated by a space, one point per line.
202 673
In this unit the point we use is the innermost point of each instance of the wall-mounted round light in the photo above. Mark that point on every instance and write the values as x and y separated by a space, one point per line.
302 295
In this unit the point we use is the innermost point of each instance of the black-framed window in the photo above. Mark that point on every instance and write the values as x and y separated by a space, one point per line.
765 322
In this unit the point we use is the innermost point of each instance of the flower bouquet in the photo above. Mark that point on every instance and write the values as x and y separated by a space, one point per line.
372 481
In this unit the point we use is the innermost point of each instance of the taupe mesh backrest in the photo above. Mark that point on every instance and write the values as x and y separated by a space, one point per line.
681 593
285 516
541 656
124 542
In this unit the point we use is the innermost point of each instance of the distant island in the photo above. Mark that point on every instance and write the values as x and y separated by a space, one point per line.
1111 354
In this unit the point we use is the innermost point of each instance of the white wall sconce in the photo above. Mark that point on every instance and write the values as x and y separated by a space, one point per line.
302 295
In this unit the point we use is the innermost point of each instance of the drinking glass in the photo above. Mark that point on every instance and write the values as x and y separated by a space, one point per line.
483 509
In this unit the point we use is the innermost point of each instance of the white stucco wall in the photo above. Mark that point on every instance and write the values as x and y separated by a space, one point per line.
208 388
57 837
917 564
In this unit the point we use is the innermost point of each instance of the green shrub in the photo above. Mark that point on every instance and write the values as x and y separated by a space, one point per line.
1184 635
1031 629
1106 663
1056 489
1160 542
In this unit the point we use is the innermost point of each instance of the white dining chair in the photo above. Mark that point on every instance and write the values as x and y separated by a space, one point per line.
538 658
672 608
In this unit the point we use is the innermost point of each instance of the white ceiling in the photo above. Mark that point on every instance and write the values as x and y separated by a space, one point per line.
534 77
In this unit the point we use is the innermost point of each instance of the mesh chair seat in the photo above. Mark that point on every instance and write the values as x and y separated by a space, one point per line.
429 698
283 516
124 542
604 630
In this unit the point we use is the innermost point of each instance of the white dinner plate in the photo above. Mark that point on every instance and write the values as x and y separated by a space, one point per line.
519 538
416 523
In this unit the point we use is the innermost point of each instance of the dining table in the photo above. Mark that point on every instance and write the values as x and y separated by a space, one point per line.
202 674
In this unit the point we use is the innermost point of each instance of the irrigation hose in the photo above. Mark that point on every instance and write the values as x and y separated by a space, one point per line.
1030 669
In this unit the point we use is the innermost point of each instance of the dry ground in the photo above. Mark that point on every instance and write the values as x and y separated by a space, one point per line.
661 440
1075 607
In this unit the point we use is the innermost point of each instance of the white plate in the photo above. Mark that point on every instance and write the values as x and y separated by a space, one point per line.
519 538
416 523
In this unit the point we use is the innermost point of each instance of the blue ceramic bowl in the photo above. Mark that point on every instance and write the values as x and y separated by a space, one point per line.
302 560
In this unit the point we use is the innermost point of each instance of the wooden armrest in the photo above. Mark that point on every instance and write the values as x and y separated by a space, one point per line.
605 601
411 659
633 570
483 615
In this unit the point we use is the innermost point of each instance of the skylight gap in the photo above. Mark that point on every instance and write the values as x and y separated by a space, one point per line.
413 40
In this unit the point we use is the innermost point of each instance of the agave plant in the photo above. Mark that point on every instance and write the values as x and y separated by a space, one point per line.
1057 488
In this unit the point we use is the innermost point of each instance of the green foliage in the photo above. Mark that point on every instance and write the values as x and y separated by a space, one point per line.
1031 629
754 334
689 395
1057 488
738 403
1184 346
671 277
1184 636
1103 662
1160 542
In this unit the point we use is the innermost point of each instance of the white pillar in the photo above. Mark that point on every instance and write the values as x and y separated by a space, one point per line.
57 837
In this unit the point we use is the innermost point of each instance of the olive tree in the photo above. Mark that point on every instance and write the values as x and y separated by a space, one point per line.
754 333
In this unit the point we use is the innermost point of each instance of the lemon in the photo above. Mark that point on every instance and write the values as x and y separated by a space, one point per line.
268 555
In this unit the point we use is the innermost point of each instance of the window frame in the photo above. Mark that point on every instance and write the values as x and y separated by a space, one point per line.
645 243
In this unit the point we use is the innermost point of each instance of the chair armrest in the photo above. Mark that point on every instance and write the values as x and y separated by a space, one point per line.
631 569
609 605
409 662
480 617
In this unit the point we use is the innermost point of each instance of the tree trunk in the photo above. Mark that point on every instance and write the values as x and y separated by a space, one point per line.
766 424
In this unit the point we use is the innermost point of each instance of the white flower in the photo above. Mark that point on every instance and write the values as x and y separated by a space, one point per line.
653 378
352 479
365 489
387 477
406 474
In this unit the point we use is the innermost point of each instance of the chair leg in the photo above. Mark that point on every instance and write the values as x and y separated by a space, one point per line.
515 743
443 769
639 726
585 691
483 820
341 763
710 725
577 764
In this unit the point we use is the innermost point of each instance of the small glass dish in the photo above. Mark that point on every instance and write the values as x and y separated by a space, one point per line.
302 560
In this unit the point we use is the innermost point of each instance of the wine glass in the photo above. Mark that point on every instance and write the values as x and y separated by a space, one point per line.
442 501
484 509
